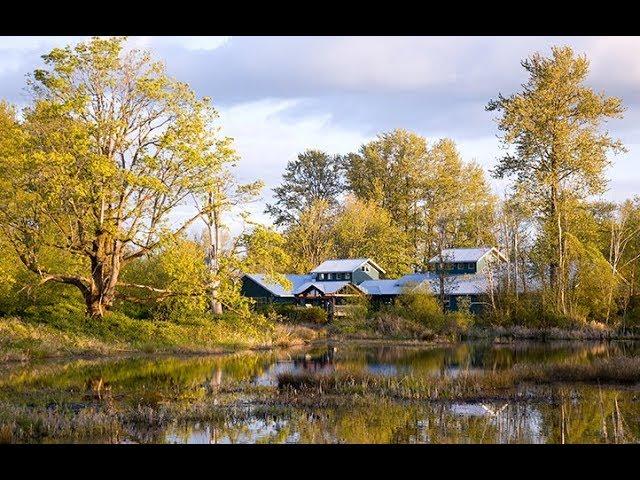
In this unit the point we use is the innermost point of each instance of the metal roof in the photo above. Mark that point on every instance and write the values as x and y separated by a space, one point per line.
381 287
465 254
344 265
417 277
454 284
277 289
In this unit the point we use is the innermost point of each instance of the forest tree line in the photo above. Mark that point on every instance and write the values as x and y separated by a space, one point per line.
95 168
572 256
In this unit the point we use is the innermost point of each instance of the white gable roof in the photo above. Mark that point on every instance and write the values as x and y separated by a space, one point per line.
344 265
465 254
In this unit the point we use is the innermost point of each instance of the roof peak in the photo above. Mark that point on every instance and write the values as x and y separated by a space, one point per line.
344 265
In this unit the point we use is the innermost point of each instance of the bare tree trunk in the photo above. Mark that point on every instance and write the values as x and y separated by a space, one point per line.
556 266
213 255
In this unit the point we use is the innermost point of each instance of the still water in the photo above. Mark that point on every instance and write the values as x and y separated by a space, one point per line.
242 387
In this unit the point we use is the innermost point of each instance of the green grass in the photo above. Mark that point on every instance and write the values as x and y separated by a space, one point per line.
64 330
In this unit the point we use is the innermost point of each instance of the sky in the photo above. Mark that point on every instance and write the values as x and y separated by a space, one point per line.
278 96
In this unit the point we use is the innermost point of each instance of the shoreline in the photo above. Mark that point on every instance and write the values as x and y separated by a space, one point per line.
27 341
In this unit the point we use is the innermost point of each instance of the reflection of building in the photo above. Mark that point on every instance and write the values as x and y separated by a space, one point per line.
316 363
334 282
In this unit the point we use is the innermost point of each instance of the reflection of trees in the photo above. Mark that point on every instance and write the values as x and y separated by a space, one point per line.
584 414
140 379
599 416
391 422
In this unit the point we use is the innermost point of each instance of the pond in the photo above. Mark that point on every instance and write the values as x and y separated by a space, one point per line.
235 399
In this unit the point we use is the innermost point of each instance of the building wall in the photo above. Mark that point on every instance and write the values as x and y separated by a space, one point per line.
483 263
360 276
459 268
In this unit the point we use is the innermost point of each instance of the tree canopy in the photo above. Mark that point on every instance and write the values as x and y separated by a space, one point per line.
109 147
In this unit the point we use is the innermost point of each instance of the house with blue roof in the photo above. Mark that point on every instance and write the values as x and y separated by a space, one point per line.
333 282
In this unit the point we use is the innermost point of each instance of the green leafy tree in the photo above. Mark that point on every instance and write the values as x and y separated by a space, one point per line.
178 265
309 240
363 229
265 251
559 147
313 176
424 189
390 171
458 205
108 149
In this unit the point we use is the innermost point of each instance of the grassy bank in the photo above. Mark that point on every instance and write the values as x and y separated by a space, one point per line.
70 333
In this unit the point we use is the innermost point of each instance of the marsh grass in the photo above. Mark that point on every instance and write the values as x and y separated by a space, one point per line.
55 410
466 386
587 331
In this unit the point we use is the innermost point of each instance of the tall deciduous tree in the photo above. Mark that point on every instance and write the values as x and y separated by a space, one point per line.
425 189
310 240
265 251
363 229
555 125
390 171
457 203
216 196
108 149
313 176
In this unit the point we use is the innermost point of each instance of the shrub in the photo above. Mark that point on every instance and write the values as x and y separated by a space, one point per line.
349 325
421 308
300 314
389 324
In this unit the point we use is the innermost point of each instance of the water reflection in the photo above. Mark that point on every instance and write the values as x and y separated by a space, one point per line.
575 413
570 422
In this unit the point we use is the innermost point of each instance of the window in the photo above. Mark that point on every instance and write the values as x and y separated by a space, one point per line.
321 276
347 276
329 276
470 266
338 276
460 266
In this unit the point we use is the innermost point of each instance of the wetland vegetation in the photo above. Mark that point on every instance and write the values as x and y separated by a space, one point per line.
353 392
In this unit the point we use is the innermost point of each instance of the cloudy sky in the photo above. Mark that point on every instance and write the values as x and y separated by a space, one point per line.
280 95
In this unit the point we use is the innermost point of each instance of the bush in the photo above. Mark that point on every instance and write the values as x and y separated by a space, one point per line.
350 325
421 308
300 314
391 325
425 312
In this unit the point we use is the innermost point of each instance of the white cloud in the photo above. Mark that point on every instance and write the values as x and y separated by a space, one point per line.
191 43
282 95
265 140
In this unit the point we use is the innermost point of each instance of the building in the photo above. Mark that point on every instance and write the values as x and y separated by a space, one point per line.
463 272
